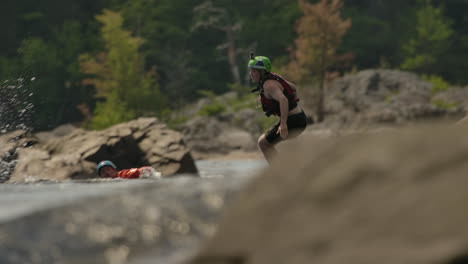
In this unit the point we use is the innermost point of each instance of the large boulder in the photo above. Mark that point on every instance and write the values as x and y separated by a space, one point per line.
395 196
10 144
74 153
219 135
454 99
388 97
232 130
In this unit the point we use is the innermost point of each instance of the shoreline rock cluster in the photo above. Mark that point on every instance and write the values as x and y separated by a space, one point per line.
72 153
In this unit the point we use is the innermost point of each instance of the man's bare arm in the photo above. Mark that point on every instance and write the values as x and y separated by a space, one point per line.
273 90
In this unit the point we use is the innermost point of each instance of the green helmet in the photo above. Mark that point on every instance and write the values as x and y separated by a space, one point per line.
261 63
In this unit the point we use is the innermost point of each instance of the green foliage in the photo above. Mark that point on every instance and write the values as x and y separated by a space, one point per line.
378 31
418 61
445 105
268 26
364 26
118 74
218 105
206 93
174 123
438 83
431 41
52 61
244 97
213 109
188 64
266 123
54 93
8 68
247 101
238 88
44 39
38 58
109 113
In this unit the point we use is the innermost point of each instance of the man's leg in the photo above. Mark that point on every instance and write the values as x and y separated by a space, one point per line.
268 149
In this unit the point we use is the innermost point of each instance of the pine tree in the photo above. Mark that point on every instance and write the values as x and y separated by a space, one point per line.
119 77
431 40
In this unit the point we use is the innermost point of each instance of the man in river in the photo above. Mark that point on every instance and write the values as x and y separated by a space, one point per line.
107 169
278 97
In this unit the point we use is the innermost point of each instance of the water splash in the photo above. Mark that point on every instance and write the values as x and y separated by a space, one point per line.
16 113
8 162
150 173
16 107
6 169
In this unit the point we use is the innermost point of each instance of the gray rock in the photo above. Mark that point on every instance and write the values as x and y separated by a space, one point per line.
56 132
216 135
10 143
141 142
374 97
386 197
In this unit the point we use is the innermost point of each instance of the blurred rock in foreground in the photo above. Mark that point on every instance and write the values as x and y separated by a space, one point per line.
389 197
153 222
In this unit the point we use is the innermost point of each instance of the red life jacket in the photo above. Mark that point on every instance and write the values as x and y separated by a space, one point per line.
271 106
131 173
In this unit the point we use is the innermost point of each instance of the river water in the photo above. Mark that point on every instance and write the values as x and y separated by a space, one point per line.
20 199
20 202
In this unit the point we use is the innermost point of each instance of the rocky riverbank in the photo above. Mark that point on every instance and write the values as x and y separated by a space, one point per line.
72 153
361 101
361 187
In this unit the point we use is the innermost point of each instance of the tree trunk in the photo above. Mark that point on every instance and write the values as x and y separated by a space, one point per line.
321 98
321 93
231 49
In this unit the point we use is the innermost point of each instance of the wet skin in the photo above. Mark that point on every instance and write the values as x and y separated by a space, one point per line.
108 172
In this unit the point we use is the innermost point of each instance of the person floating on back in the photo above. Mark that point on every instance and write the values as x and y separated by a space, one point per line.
107 169
278 97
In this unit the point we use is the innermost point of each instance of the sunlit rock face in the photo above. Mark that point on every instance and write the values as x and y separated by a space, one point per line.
379 97
72 153
394 196
10 145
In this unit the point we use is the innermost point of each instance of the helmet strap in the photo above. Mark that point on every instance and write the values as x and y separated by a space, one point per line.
263 75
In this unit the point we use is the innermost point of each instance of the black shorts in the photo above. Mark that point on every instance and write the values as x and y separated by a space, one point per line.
296 125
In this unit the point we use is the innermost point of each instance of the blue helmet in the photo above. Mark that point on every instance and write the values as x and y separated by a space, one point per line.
104 163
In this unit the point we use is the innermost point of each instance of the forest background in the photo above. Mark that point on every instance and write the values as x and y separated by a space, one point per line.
101 62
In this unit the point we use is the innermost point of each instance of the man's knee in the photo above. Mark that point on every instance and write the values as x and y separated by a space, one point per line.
263 143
